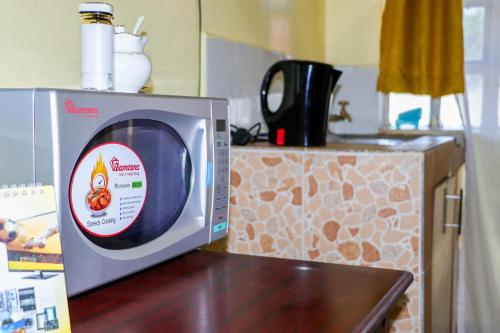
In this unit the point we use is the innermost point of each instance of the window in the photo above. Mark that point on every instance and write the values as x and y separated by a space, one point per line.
475 19
476 57
446 106
399 103
475 96
449 112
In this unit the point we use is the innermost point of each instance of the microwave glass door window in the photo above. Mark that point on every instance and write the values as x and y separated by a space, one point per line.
130 183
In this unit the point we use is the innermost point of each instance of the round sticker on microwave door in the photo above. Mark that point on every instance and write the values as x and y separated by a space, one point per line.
108 189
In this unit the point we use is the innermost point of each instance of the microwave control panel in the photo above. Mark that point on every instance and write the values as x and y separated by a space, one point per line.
221 179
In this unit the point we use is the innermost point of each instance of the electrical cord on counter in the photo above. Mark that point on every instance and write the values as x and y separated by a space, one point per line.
241 136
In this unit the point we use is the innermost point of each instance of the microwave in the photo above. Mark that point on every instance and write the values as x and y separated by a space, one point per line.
138 179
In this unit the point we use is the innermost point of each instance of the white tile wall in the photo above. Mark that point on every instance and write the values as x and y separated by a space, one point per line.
235 71
358 85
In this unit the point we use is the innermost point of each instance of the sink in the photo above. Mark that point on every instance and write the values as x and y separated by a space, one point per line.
372 140
377 142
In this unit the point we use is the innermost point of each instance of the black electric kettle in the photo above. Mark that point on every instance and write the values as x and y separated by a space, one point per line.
302 117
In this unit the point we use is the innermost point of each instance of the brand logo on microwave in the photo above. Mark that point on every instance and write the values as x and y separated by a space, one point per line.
116 166
86 112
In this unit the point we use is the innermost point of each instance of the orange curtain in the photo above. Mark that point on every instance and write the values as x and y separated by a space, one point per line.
421 47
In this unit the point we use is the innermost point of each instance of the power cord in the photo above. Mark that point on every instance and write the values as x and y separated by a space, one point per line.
241 136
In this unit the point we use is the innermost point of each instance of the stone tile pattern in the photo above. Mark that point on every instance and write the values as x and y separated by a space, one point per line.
266 205
365 210
357 209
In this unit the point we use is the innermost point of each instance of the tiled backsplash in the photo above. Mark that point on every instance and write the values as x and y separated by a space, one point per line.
358 86
234 70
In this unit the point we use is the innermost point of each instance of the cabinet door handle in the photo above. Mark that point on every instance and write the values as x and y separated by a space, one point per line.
445 210
460 211
458 197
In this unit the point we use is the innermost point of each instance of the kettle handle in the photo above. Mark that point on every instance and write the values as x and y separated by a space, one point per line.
335 87
266 83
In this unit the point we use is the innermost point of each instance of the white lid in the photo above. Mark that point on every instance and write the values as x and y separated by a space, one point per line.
101 7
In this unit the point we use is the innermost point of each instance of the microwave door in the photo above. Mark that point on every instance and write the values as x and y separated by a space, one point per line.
132 182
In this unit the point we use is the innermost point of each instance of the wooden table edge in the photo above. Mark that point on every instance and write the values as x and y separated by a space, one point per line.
374 319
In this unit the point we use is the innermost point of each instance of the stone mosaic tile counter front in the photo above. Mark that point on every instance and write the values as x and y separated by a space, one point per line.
348 208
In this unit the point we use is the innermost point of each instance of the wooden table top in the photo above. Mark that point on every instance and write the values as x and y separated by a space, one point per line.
218 292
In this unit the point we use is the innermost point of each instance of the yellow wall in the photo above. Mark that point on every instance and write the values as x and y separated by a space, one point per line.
342 32
40 39
41 42
291 26
352 31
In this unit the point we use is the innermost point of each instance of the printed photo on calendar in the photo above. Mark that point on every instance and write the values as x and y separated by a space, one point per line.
33 292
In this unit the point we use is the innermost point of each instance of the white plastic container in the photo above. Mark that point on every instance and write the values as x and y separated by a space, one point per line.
96 46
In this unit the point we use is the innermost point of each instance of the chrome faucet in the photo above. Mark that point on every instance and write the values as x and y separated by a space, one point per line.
343 115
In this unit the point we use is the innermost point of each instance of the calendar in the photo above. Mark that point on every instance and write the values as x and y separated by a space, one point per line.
33 294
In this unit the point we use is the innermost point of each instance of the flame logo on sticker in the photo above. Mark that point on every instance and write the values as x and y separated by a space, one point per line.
99 197
99 177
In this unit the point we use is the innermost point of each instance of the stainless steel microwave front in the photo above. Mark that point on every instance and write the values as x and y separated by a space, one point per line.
184 144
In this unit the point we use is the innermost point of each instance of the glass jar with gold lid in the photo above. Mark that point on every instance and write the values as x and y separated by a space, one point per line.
96 46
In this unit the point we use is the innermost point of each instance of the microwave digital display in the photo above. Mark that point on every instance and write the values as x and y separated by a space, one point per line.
220 125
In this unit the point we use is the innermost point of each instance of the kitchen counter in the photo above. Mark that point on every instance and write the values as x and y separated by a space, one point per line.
215 292
381 142
348 203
